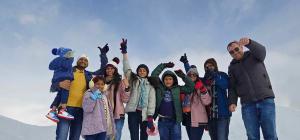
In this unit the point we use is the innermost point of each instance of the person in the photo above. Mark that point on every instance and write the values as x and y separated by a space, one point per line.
194 115
76 88
141 105
219 115
250 81
97 113
62 67
117 91
168 105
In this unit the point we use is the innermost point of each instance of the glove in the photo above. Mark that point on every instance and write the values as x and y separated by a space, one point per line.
199 85
105 49
94 96
183 58
123 45
179 73
150 123
169 65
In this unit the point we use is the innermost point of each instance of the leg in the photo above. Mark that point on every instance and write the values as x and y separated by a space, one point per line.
188 131
212 129
62 129
251 122
101 136
196 133
267 119
119 126
64 94
143 131
164 131
91 137
223 128
176 131
133 125
56 101
76 124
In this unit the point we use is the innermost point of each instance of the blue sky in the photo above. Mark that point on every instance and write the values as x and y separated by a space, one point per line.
157 31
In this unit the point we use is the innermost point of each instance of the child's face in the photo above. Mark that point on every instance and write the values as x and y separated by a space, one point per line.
100 85
168 81
142 72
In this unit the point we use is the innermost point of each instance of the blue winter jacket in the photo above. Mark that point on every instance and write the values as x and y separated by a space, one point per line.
62 68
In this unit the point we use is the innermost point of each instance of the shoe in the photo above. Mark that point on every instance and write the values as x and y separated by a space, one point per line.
52 116
65 115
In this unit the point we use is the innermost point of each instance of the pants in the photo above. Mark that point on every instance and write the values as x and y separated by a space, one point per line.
137 126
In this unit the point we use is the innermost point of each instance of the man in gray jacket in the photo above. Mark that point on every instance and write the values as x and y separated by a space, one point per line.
249 80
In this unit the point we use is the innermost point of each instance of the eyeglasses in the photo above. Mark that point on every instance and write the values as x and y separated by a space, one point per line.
234 50
192 75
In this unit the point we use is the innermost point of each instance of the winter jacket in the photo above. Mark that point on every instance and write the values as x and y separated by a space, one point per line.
94 120
62 68
135 88
198 115
175 89
249 79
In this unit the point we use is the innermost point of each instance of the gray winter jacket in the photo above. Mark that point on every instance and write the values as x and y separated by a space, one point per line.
249 79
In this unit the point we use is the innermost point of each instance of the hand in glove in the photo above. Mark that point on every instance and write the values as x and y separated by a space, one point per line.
179 73
169 65
150 123
104 49
184 59
94 96
199 85
123 45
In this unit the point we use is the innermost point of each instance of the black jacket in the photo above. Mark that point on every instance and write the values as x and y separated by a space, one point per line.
248 77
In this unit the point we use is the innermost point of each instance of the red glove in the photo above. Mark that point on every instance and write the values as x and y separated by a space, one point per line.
150 123
199 85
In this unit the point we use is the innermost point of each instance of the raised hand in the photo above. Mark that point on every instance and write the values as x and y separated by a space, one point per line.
179 73
104 49
184 59
244 41
169 65
123 45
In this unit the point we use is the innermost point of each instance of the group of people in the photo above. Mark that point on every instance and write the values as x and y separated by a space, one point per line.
94 104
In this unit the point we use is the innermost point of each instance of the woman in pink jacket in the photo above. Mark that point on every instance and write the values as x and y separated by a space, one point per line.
194 113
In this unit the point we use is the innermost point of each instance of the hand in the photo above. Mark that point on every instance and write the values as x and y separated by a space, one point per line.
169 65
65 84
179 73
150 123
104 49
94 96
199 85
244 41
123 45
232 107
183 58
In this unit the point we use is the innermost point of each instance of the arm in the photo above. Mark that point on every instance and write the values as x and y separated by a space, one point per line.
151 102
103 61
55 64
157 71
257 50
221 80
187 66
232 94
125 95
189 85
205 98
126 67
88 104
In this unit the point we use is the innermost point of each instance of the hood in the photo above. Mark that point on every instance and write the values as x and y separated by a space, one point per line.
168 72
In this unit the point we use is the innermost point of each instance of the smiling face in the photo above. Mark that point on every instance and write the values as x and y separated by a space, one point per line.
82 62
236 51
193 76
168 81
142 72
100 85
110 71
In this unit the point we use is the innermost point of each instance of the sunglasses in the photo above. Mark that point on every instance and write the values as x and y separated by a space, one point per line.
234 50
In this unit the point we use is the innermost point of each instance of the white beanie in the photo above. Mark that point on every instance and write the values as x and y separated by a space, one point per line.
83 56
114 62
193 70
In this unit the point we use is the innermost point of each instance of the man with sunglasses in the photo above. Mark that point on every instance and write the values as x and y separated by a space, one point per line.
249 80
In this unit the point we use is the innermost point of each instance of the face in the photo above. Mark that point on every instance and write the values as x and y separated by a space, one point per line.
142 72
193 76
110 71
82 62
236 51
168 81
210 67
100 85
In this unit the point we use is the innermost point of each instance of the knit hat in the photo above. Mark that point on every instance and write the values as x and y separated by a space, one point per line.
83 56
211 61
142 66
114 63
193 70
60 51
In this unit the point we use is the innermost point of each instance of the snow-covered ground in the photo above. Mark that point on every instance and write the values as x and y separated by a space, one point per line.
288 122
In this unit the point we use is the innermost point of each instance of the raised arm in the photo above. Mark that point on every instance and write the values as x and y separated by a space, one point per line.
189 84
103 60
257 50
185 62
126 66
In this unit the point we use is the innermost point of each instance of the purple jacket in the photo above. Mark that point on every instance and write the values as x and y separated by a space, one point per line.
94 115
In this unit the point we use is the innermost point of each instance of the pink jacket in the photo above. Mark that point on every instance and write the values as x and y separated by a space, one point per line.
94 116
121 97
198 111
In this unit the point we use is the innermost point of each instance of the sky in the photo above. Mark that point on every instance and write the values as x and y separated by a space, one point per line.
157 31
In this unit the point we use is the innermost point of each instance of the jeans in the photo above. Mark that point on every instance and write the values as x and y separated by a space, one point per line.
219 128
71 127
119 126
136 124
169 129
260 114
99 136
195 133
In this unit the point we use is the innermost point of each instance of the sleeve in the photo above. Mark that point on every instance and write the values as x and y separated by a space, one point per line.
123 94
257 50
126 67
232 94
103 61
205 98
222 80
151 102
88 104
189 85
187 66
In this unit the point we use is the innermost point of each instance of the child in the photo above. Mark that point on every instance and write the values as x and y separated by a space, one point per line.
97 113
62 67
168 106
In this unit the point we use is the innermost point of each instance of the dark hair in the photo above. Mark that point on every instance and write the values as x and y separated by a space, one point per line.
98 78
229 44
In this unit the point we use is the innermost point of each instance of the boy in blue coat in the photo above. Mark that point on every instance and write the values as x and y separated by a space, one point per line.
62 67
